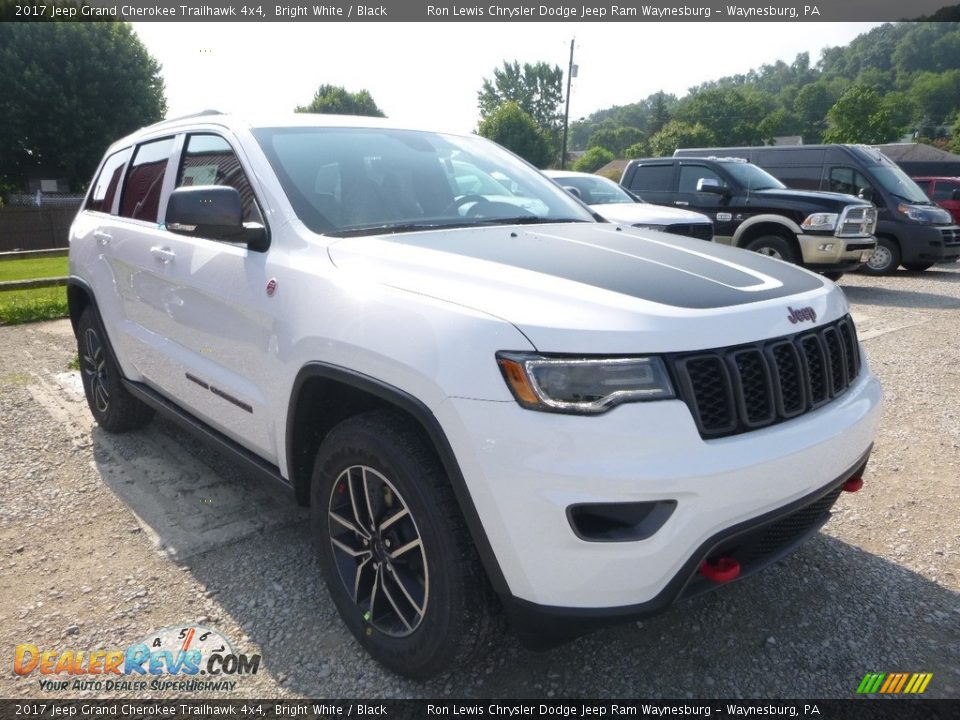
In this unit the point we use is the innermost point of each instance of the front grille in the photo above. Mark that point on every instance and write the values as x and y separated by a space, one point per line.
857 221
701 231
785 531
738 389
951 235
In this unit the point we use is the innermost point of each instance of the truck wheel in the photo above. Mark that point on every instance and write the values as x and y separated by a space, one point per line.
885 259
394 553
917 267
774 246
114 409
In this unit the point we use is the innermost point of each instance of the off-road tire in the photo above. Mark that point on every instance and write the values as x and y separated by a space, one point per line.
372 451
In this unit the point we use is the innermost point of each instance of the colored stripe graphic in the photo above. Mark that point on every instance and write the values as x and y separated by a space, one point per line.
894 683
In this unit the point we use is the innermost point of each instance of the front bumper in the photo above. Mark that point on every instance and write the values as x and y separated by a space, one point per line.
828 252
928 243
525 469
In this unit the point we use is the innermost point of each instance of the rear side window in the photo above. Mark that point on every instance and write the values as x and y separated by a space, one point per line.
209 160
141 192
652 177
107 182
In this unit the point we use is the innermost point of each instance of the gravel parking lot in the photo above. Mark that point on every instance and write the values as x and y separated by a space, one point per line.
104 539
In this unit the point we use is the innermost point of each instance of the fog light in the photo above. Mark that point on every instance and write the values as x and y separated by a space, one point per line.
826 247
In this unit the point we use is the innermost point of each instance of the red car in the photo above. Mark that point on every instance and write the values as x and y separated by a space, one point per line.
944 191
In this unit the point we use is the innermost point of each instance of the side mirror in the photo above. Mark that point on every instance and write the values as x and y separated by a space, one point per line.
956 194
865 194
215 212
710 185
572 190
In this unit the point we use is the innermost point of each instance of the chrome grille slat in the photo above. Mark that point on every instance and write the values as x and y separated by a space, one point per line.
737 389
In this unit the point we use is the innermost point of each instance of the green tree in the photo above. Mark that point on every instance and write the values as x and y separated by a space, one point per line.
593 159
638 150
536 88
337 100
517 131
67 91
861 116
616 141
733 114
679 134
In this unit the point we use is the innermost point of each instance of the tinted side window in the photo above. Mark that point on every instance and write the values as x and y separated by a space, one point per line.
209 160
691 174
107 182
924 185
847 180
141 192
944 190
652 177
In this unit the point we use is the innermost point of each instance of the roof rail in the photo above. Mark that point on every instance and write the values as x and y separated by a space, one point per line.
202 113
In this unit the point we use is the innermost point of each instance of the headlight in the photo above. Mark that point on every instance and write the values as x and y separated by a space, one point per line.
820 221
583 385
925 215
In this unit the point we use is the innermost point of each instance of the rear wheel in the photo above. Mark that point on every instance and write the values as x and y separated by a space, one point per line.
917 267
774 246
885 258
114 409
395 555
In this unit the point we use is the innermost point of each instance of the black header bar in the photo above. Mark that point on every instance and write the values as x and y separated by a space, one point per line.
479 10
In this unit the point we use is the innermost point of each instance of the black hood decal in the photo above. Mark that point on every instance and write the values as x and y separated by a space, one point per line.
660 268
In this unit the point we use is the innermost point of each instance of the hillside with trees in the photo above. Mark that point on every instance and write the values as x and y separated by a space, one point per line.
896 79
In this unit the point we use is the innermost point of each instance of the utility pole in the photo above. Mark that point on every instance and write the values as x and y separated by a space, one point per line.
571 71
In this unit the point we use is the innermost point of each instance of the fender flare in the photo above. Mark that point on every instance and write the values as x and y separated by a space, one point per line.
784 222
435 434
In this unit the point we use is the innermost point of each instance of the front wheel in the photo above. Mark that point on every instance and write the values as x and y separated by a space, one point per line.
394 553
885 258
774 246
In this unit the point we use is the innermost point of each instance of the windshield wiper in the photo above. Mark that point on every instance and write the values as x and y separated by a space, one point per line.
392 228
525 220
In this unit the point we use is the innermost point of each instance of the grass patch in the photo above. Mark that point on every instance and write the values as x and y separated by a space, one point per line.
75 363
33 268
23 306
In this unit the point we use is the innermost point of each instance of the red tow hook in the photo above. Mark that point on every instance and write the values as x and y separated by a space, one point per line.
723 569
853 484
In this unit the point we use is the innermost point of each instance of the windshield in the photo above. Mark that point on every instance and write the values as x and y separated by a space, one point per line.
752 177
595 190
895 181
356 181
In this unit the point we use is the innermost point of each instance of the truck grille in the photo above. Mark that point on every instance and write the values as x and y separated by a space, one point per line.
701 231
951 235
737 389
857 221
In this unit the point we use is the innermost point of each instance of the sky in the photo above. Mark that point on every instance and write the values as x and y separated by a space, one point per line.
430 73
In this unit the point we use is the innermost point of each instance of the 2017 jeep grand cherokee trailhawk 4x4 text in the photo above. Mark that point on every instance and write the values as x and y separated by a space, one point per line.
487 401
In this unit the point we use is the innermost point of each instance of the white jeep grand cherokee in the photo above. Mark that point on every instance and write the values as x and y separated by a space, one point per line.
487 400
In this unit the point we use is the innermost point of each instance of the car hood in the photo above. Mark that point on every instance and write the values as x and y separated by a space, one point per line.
647 214
591 288
811 196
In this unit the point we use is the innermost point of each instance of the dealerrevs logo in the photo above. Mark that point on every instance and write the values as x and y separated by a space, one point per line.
170 659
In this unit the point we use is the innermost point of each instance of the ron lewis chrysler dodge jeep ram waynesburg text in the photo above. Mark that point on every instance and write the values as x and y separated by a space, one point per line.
491 402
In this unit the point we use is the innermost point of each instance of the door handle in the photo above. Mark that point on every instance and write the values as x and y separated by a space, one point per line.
102 237
680 202
163 254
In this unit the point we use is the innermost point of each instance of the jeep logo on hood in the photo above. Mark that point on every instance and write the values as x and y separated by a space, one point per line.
804 313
